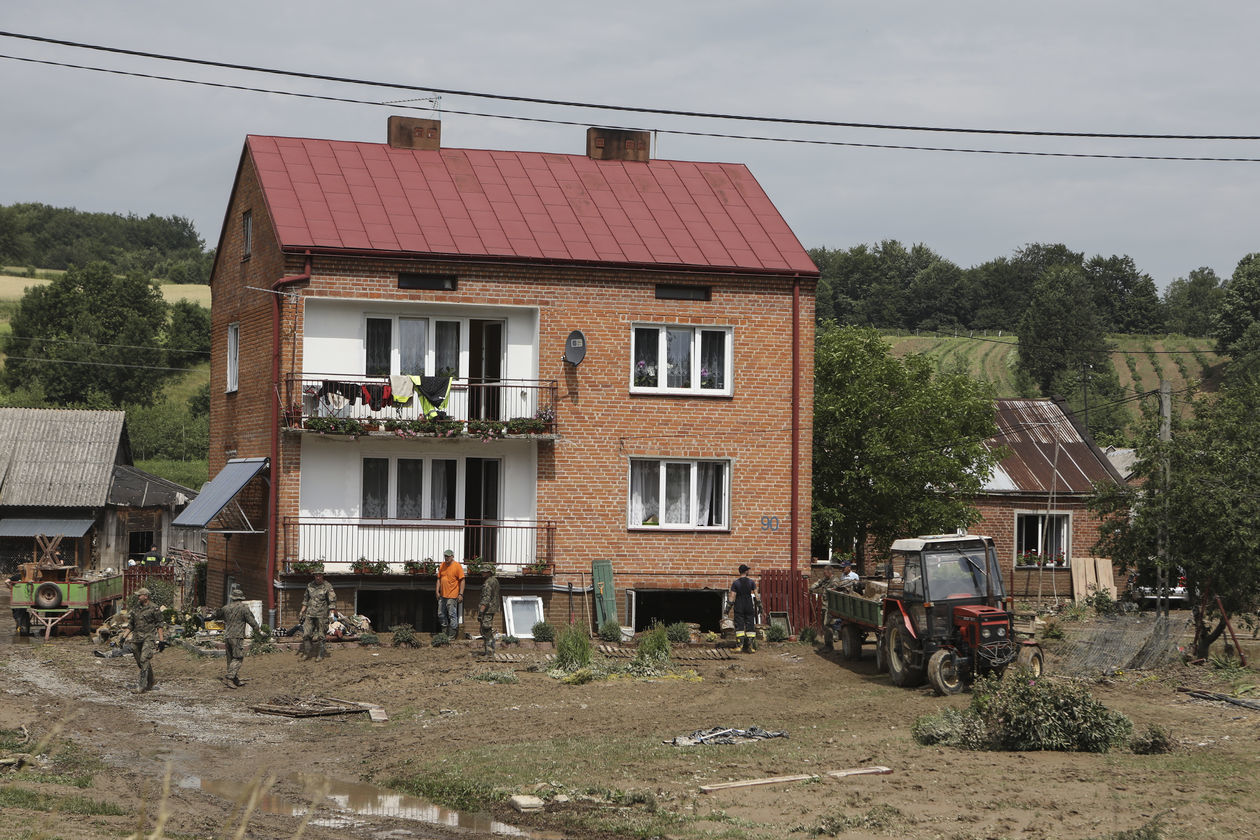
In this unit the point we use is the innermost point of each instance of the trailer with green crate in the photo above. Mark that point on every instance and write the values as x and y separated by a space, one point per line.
63 597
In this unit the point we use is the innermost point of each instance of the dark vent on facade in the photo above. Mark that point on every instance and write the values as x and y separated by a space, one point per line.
415 133
431 282
669 291
618 144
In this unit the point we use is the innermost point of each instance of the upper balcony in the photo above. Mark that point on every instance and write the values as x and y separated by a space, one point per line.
478 407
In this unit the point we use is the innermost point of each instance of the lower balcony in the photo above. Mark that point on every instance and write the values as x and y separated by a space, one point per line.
397 547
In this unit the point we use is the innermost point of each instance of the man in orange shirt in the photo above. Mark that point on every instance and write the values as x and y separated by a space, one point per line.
450 592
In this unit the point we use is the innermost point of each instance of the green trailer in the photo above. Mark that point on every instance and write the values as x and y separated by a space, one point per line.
857 617
63 596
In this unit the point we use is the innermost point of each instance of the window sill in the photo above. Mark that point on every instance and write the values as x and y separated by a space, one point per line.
679 529
678 392
1050 568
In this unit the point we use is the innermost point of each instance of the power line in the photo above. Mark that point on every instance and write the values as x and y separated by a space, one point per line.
621 108
669 131
100 344
97 364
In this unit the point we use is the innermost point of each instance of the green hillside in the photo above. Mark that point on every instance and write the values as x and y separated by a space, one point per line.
1140 360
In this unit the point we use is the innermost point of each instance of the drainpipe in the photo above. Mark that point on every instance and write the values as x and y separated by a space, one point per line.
796 414
273 492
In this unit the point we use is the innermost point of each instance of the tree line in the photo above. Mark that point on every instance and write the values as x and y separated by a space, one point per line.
890 286
163 247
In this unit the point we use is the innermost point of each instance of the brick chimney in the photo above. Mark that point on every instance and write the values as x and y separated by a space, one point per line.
618 144
415 133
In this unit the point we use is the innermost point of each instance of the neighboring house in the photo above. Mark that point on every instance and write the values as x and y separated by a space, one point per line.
671 445
67 484
1034 503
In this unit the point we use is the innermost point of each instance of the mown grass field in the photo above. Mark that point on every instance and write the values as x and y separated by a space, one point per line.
1140 360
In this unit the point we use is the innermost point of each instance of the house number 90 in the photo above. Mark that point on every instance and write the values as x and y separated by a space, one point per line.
769 523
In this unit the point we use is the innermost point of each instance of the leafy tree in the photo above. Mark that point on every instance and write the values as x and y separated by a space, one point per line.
1207 504
1124 298
1097 398
1060 328
1240 304
898 448
188 334
1191 303
90 337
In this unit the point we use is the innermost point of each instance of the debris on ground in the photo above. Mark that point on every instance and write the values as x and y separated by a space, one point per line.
291 706
1199 694
725 735
772 780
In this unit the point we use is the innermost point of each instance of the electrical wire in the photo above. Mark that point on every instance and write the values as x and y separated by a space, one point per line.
619 108
99 344
99 364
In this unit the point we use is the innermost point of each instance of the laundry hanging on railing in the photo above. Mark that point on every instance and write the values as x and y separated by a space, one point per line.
432 393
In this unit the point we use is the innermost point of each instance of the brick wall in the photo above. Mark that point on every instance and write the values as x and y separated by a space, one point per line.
583 478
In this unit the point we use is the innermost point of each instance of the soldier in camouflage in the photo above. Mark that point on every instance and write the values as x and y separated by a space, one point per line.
235 615
320 598
486 609
825 583
148 634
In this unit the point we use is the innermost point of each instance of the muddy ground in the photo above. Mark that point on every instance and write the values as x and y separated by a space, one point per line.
600 744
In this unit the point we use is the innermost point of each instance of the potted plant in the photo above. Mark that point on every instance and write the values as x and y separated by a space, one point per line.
413 567
475 566
486 429
644 374
306 567
363 566
538 567
525 426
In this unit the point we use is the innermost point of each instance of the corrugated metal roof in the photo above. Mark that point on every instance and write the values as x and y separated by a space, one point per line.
10 527
134 487
218 492
58 457
340 195
1046 452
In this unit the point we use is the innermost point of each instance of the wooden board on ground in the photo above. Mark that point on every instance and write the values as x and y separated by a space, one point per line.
772 780
309 706
874 770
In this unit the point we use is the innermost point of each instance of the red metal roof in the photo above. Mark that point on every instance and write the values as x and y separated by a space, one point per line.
340 195
1047 453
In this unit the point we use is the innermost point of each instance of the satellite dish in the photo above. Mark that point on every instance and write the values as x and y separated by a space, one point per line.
575 348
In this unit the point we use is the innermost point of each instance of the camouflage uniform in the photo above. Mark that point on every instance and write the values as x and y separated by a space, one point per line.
822 585
146 624
235 615
320 598
486 609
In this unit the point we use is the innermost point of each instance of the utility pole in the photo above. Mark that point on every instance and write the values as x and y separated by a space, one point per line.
1165 436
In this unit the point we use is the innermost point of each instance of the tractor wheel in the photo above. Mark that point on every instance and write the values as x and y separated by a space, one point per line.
850 641
900 647
1030 657
942 672
48 596
881 656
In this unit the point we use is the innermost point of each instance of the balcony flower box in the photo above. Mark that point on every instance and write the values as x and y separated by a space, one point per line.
363 566
420 567
538 568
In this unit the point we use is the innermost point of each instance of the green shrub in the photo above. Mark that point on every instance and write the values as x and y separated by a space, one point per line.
808 636
653 646
439 640
510 640
369 639
610 631
1156 740
404 636
1025 714
263 642
678 632
543 632
776 633
1101 602
1053 631
573 648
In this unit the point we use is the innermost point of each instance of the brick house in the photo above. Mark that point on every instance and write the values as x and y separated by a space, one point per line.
633 476
1033 505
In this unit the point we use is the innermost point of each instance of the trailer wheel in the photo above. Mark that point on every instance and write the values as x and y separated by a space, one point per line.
942 672
881 656
900 653
1030 657
48 596
850 641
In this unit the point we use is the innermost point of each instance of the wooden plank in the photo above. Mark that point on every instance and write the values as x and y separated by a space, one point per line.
875 770
772 780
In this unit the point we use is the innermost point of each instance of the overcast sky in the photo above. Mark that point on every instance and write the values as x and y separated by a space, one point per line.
106 142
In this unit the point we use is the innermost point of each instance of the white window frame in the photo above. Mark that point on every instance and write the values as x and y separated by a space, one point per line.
696 389
430 351
693 500
426 487
1063 518
232 383
509 617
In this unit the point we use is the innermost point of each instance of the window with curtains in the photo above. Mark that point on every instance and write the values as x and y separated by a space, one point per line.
681 359
233 357
679 494
1042 539
414 346
409 488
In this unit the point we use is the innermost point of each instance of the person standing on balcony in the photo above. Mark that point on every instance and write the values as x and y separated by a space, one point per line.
486 609
450 592
320 598
745 609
